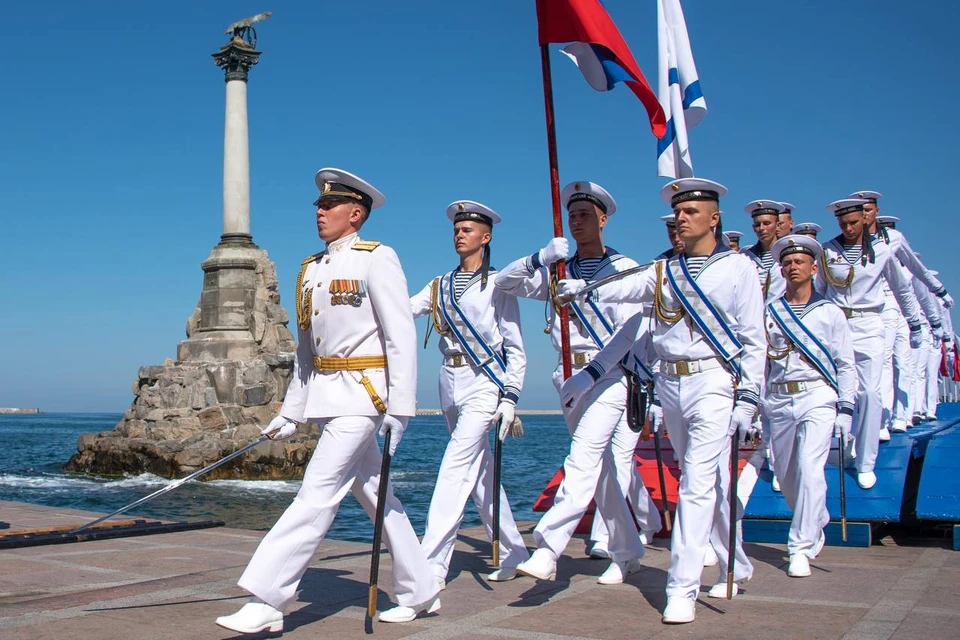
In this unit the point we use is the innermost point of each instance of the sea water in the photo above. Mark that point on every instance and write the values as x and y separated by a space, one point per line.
34 448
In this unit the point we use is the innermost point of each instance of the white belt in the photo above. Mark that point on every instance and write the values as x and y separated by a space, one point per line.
796 386
689 367
859 313
580 359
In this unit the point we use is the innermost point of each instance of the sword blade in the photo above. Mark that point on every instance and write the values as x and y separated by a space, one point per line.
620 275
174 485
378 527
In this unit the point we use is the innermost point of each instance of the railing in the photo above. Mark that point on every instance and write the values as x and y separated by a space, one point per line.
949 390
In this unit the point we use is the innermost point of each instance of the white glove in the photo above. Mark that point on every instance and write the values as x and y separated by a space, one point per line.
947 300
841 427
936 342
950 358
504 416
741 422
556 249
569 289
280 428
575 387
655 417
396 425
916 339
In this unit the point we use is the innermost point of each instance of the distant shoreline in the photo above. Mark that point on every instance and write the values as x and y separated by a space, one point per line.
9 411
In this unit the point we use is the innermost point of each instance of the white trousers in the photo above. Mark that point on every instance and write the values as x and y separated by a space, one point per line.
644 509
928 372
895 381
347 457
904 372
868 336
914 402
590 471
698 409
468 400
932 378
802 428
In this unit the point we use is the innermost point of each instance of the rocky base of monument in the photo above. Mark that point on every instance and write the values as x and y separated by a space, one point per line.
196 410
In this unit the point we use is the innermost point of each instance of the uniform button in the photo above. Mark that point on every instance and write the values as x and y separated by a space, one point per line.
327 260
318 340
316 312
318 284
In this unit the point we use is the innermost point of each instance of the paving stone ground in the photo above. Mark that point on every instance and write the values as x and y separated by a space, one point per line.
174 585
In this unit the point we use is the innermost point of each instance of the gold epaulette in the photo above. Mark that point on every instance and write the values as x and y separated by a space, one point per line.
365 245
312 258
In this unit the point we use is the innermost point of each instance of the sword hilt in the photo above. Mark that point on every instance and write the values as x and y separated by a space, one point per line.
372 601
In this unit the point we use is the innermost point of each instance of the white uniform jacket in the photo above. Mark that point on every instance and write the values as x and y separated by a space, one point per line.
493 313
729 281
527 278
352 302
825 321
865 289
929 304
771 280
902 250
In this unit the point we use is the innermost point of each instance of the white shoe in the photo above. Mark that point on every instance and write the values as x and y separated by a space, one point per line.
930 416
710 558
599 551
866 479
884 434
899 427
775 484
253 617
407 614
542 565
719 590
646 537
679 610
617 571
799 565
503 574
822 541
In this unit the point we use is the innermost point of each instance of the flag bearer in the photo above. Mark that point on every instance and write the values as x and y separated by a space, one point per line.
851 274
480 382
355 372
811 385
590 469
708 334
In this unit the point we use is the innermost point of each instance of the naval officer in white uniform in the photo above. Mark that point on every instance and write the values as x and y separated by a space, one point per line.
851 274
355 373
480 383
811 386
597 424
708 335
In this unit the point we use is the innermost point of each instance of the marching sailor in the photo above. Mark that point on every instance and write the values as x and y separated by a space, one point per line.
929 354
480 382
785 220
355 372
852 269
733 239
590 469
807 229
708 335
811 385
676 244
765 214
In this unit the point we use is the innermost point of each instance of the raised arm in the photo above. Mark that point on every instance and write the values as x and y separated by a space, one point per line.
420 304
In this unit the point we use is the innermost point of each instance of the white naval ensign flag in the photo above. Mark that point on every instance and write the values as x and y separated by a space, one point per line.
678 90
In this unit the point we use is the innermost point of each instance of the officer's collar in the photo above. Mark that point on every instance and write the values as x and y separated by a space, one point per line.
342 243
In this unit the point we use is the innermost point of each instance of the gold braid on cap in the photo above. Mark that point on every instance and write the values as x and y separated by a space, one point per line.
668 316
832 279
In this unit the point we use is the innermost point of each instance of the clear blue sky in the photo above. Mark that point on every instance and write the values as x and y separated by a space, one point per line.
112 134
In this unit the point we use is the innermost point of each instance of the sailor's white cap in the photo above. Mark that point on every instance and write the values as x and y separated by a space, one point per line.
807 227
336 184
669 219
732 235
764 208
845 206
795 243
460 210
685 189
887 219
871 196
591 192
787 207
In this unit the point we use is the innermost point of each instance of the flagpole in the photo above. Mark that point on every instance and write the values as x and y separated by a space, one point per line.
555 195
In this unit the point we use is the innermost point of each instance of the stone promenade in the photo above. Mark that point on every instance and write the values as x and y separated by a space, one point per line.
172 586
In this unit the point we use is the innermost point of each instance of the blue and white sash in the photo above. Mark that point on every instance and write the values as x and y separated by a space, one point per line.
707 318
808 344
470 340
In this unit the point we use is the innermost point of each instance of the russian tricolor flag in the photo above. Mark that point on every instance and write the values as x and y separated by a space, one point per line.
679 87
598 50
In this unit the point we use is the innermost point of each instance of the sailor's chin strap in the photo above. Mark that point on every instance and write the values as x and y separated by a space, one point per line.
485 266
867 252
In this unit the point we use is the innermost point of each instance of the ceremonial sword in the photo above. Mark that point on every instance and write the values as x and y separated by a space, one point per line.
620 275
378 527
843 490
497 462
171 487
734 478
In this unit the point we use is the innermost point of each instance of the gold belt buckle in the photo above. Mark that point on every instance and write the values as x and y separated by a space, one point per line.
794 387
579 360
458 360
683 368
848 312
